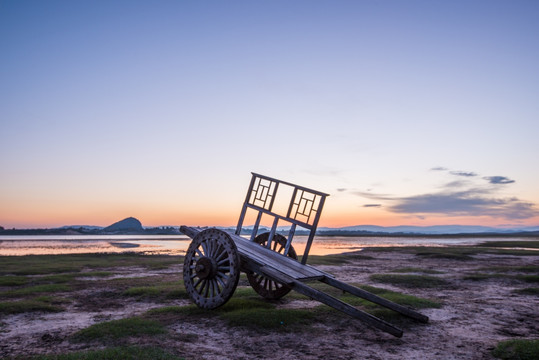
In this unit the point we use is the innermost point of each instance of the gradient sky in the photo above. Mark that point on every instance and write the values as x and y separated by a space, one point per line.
406 112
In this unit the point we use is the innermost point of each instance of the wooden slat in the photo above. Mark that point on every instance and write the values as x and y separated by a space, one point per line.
276 275
266 257
376 299
346 308
272 258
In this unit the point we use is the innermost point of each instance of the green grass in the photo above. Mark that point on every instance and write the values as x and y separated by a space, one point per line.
253 313
532 244
35 290
455 252
517 349
12 280
114 353
402 299
446 253
528 278
336 259
269 319
118 329
410 281
169 290
487 276
504 269
95 274
528 291
53 264
29 305
325 260
416 270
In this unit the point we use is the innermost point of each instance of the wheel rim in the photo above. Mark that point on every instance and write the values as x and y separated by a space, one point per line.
211 268
263 285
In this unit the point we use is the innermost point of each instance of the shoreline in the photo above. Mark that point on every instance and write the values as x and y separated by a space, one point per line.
481 292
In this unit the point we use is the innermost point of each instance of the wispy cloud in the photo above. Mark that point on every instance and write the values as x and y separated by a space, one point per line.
463 173
466 197
438 168
465 203
499 180
372 205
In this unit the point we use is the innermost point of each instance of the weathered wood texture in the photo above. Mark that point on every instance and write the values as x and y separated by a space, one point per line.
376 299
265 257
291 273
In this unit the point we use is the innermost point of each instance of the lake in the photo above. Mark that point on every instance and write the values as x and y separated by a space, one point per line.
177 244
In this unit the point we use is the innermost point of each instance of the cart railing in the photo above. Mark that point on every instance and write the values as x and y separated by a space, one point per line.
300 206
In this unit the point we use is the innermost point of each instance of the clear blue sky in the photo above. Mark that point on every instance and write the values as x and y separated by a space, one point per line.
406 112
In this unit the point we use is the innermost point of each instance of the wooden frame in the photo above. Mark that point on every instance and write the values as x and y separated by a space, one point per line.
304 209
215 256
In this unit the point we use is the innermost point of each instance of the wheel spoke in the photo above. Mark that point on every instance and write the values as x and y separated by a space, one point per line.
222 254
204 248
223 261
202 285
217 252
220 281
222 276
267 287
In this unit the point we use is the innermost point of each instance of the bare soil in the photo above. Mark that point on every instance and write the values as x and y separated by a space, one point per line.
475 316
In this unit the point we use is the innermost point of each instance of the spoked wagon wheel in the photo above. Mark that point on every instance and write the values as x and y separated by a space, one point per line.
264 286
211 269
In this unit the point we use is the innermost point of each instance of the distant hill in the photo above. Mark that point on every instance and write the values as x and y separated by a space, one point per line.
129 224
132 226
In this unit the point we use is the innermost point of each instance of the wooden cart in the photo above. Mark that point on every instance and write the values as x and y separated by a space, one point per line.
215 257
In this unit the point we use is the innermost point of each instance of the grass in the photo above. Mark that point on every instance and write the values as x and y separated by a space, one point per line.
459 252
410 281
416 270
114 353
252 313
402 299
528 291
528 278
446 253
35 290
325 259
487 276
168 290
336 259
532 244
517 349
12 280
531 273
525 269
270 319
118 329
53 264
29 305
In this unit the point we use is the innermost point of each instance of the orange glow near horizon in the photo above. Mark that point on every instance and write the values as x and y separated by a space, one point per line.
229 217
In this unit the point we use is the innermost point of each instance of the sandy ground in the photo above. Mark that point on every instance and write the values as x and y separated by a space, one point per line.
476 315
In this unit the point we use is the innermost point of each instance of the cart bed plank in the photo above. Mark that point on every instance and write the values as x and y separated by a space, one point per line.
270 259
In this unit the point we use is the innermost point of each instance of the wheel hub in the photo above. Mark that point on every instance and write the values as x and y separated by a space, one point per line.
206 268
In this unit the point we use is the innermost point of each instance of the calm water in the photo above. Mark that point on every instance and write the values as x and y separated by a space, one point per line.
177 244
